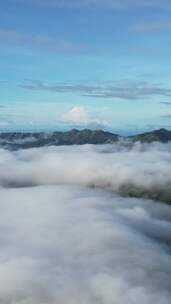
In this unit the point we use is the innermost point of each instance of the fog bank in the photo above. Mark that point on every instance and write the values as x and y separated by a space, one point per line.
141 170
68 237
72 245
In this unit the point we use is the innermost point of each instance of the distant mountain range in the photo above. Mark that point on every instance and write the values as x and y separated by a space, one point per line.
17 140
161 135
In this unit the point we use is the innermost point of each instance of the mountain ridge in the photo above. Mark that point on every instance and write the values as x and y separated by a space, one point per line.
76 137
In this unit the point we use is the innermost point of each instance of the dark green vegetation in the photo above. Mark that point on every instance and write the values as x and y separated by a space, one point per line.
157 193
17 140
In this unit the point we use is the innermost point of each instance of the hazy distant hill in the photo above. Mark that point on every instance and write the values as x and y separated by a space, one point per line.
18 140
73 137
161 135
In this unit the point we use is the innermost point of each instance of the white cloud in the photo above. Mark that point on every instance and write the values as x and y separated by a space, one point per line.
80 116
138 169
73 245
70 244
77 114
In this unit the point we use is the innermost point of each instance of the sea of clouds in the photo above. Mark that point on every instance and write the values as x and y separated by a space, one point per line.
71 234
136 170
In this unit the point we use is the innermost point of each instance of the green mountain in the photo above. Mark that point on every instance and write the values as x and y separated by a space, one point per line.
161 135
17 140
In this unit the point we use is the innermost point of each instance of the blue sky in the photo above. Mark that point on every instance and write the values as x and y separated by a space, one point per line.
85 63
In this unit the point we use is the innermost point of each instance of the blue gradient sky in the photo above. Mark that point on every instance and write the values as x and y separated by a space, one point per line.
79 63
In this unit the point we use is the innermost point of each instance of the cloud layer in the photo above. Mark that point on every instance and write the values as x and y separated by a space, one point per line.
73 245
139 170
64 242
126 90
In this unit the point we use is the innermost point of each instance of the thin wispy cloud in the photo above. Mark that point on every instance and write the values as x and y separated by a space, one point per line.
39 41
166 103
3 82
122 91
152 26
167 116
115 4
